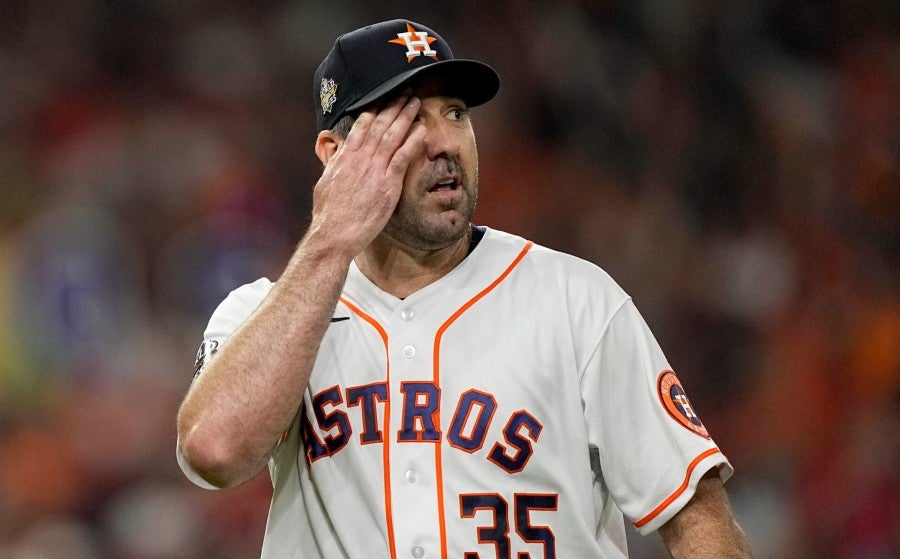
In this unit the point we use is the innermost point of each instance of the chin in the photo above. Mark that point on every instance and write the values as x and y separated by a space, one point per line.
441 232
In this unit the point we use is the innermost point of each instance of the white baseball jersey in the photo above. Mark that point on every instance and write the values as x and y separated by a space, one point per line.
516 408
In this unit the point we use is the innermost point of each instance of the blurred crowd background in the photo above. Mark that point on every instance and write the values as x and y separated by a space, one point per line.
734 165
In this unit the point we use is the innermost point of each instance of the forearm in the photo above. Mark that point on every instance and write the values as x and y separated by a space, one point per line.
250 392
725 541
705 527
252 389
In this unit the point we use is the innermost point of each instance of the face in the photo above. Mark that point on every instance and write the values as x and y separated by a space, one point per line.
441 186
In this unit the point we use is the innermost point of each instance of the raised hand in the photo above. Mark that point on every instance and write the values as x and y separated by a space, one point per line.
362 180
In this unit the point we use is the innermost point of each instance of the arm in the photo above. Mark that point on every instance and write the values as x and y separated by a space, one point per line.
705 527
249 393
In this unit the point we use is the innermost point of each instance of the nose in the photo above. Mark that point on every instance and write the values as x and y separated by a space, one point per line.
440 140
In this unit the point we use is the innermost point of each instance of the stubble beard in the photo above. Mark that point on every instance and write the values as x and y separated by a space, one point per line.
418 230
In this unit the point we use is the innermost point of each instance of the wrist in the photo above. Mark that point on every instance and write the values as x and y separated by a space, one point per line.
329 242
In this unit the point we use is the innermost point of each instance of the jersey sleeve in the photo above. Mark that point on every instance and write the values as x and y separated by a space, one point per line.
653 447
228 316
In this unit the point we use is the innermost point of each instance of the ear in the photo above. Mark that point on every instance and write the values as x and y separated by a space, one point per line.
327 145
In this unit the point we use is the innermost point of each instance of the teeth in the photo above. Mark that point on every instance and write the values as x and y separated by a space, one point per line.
449 184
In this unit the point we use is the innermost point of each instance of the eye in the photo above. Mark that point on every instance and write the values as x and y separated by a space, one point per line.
456 113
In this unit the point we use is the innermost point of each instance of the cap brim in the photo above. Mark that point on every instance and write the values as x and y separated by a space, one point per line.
474 82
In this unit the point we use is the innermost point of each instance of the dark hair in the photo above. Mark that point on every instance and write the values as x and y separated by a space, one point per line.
343 126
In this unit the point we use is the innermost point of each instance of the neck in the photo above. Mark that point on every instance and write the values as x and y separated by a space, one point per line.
401 270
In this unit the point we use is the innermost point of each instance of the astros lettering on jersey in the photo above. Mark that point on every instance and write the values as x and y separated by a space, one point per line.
517 407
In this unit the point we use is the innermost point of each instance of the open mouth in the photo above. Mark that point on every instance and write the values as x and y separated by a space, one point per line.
445 185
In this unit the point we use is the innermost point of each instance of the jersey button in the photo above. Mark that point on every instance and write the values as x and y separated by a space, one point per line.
409 352
407 314
418 552
412 476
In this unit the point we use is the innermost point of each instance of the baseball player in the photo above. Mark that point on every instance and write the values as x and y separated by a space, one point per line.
422 387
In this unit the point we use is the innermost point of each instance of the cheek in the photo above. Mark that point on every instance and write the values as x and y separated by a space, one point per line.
470 160
413 175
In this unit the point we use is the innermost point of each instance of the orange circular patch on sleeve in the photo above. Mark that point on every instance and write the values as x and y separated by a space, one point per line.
675 400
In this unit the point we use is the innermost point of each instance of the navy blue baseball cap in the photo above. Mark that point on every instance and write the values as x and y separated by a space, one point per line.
370 63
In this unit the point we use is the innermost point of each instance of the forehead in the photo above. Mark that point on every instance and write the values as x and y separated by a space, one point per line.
433 86
423 87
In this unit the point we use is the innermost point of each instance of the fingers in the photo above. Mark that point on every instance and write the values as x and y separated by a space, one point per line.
402 157
381 131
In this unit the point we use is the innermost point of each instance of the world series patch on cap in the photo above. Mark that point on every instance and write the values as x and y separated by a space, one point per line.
373 62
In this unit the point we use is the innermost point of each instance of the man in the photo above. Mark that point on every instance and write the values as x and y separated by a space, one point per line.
421 387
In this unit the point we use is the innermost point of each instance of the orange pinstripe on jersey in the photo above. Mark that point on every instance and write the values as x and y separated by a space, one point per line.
386 452
681 488
437 382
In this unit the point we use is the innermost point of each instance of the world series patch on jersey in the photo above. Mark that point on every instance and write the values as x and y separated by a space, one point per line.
517 407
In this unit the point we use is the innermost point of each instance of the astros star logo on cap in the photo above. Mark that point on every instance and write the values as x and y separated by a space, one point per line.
417 43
